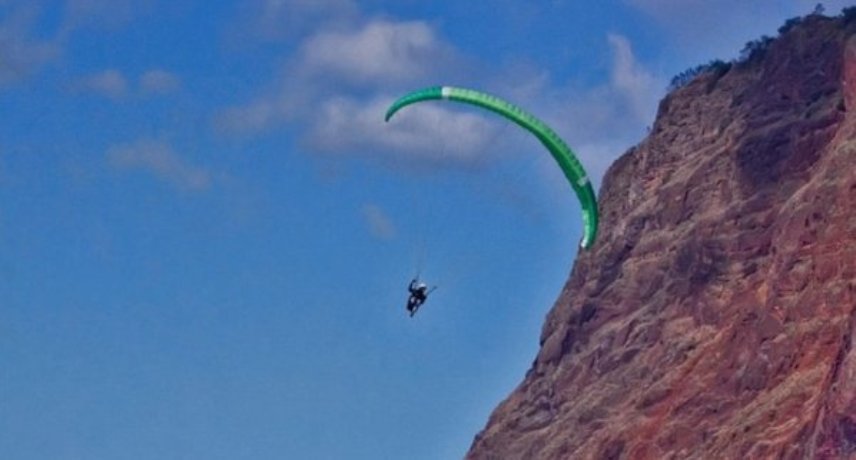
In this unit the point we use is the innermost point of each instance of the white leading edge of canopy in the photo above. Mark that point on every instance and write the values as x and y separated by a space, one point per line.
445 92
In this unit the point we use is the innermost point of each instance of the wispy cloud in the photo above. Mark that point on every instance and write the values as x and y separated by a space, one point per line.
21 53
379 223
341 78
110 83
379 53
279 20
337 86
247 119
636 84
160 160
116 85
599 122
431 135
159 81
30 38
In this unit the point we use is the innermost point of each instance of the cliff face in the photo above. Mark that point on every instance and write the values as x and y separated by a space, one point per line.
715 315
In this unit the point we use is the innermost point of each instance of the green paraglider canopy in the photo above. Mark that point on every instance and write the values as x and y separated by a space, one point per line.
563 155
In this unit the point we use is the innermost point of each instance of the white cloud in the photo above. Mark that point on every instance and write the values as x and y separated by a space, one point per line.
632 80
598 122
379 223
337 85
419 136
380 52
159 159
110 83
332 88
276 20
158 81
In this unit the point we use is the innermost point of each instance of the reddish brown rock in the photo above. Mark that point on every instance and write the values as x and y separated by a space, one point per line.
715 316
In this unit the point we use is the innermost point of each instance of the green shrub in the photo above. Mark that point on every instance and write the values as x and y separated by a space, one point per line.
716 66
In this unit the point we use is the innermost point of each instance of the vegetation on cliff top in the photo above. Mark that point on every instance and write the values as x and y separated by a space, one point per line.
753 49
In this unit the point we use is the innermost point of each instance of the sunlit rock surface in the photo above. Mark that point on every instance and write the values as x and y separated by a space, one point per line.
714 317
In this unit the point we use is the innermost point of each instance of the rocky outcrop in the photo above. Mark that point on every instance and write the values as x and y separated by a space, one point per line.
715 315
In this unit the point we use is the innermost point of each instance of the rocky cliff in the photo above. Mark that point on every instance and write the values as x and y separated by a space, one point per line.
715 315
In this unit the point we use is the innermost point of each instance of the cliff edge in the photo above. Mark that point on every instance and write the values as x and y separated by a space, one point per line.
715 315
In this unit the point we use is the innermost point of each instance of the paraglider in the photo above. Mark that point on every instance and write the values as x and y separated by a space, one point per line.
563 155
418 295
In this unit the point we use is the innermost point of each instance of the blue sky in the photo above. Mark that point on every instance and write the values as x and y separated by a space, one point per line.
207 229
